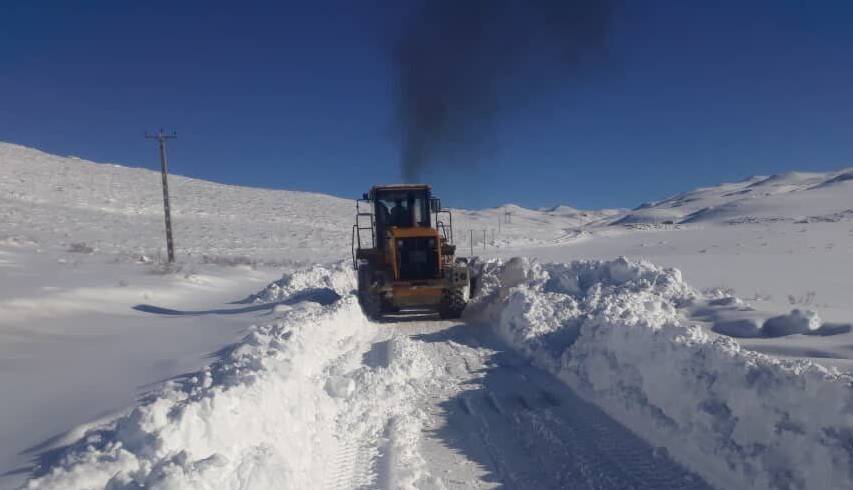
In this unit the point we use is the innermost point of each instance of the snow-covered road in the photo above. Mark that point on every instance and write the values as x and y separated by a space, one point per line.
493 420
321 398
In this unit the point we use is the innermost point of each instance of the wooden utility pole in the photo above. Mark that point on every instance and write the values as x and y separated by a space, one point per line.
161 138
471 242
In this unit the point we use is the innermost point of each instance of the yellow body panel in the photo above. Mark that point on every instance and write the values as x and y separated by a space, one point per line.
414 232
421 295
409 291
419 231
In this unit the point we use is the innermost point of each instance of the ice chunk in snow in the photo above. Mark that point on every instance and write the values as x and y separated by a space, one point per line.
340 386
797 321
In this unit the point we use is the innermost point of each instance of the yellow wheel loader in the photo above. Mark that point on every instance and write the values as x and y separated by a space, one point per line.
403 251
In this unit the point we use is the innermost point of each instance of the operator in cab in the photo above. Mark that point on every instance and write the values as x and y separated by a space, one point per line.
400 216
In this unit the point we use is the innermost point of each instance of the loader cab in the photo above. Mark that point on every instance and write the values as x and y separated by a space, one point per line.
407 235
400 206
404 231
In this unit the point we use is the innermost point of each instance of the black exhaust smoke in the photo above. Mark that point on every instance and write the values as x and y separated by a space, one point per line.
460 64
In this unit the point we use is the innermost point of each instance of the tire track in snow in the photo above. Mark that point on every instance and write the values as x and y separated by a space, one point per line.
356 453
379 419
500 422
354 466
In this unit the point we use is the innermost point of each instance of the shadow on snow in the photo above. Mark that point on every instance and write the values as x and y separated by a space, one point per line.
322 296
49 452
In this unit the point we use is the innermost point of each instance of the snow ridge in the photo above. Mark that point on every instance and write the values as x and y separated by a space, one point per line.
292 405
256 418
614 332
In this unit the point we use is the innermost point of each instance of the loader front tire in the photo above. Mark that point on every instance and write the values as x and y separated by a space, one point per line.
370 302
452 304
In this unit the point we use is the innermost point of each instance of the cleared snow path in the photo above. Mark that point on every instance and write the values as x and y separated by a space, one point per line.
318 397
490 419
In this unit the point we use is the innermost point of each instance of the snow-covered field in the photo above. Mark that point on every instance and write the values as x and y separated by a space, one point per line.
248 364
773 244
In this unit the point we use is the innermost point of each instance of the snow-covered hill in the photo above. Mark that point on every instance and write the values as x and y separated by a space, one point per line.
793 197
68 202
59 201
118 370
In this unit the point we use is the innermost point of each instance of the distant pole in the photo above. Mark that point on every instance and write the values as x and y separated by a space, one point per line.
471 242
499 225
484 239
493 236
161 138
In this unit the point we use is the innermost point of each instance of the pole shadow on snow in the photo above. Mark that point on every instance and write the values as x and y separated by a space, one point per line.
322 296
526 429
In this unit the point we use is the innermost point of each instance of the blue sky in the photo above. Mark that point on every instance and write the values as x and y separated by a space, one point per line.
297 95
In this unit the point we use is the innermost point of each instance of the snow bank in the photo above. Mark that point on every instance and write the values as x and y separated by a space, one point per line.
306 281
613 332
293 405
258 417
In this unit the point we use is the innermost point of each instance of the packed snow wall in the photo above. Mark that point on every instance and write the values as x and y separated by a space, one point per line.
614 332
291 405
257 417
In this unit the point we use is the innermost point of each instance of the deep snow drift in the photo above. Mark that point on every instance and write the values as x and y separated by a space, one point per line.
252 419
615 332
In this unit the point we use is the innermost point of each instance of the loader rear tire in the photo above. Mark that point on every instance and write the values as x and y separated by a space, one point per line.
452 304
386 306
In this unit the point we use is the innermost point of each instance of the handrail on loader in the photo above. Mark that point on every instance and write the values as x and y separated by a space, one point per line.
449 219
